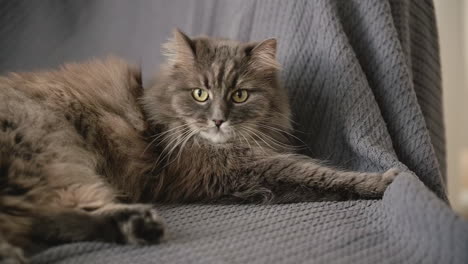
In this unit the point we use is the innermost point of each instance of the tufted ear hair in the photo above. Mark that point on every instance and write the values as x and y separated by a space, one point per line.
263 54
180 48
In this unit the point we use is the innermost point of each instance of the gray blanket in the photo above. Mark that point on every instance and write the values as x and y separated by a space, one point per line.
364 82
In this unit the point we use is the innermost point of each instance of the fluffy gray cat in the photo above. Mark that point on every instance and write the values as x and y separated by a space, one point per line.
222 123
81 147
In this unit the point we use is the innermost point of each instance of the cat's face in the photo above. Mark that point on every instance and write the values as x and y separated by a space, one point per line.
217 112
219 91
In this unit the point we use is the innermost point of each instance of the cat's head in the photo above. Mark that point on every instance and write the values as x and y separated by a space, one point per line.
219 91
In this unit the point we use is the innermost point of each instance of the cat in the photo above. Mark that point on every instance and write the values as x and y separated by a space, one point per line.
223 125
85 149
72 160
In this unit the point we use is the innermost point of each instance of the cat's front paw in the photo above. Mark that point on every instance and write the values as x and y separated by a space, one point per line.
387 179
141 225
390 175
374 187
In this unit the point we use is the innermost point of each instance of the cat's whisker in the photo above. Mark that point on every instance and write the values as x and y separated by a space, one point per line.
277 130
275 142
171 140
180 144
185 142
147 147
168 138
291 135
255 133
280 131
159 135
287 117
172 129
161 155
184 139
176 142
295 129
246 140
248 134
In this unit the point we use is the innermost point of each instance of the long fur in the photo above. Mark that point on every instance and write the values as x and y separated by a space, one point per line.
72 146
83 146
250 158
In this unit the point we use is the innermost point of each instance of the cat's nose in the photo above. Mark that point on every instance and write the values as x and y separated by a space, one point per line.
218 122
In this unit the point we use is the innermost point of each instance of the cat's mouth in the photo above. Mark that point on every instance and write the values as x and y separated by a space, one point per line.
216 135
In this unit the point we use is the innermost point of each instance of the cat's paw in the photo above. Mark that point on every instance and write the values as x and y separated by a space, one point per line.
374 187
11 255
386 179
390 175
140 225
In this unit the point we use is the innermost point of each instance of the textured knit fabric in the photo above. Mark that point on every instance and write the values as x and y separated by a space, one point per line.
413 228
364 81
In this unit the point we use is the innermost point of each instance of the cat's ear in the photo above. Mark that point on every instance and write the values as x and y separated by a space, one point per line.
179 49
263 54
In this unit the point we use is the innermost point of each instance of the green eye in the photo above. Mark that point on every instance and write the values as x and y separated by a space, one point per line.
200 95
240 96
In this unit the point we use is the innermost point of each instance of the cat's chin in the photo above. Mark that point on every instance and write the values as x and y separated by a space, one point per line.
215 137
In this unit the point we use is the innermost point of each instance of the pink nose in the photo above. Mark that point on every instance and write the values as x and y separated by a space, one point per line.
218 122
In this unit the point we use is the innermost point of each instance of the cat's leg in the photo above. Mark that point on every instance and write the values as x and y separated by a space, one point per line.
125 224
10 254
137 224
299 178
96 215
70 212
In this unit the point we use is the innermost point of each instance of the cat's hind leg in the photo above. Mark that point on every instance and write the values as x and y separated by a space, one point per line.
137 223
10 254
77 212
96 215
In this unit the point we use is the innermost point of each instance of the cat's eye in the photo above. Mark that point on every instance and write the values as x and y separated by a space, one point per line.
201 95
240 96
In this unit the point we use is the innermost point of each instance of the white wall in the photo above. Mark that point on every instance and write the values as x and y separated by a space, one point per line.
453 39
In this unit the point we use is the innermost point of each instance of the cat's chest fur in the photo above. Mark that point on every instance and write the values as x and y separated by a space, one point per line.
202 172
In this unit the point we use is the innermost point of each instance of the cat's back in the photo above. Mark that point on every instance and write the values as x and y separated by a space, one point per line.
87 110
109 85
86 98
